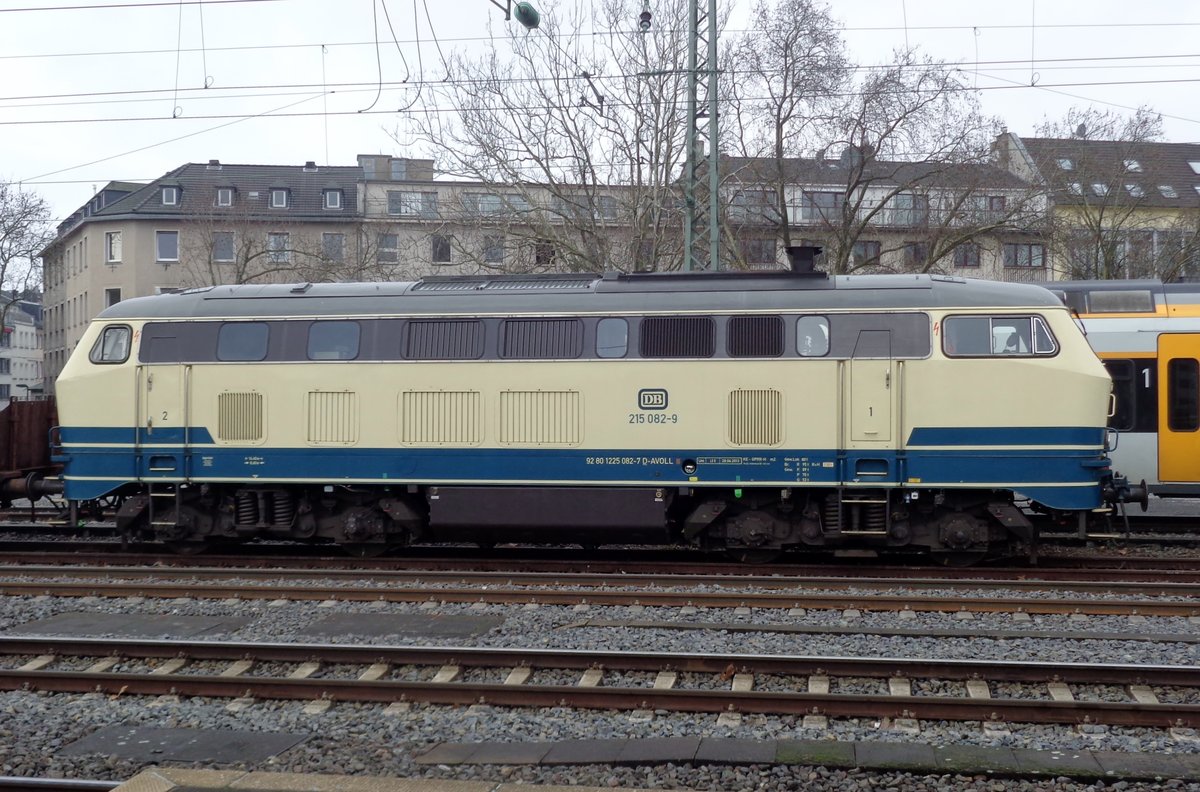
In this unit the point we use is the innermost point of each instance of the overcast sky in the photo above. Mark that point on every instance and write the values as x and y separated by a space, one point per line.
66 71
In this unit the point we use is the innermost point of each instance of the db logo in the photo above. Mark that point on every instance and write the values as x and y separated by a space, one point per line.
652 399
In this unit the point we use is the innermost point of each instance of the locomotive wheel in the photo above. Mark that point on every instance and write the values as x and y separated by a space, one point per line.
744 555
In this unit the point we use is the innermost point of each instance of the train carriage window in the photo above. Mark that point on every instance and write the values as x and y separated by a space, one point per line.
812 336
755 336
1183 395
113 345
244 341
1121 301
333 340
678 337
612 337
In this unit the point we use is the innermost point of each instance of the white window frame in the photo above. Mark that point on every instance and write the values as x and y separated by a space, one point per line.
1065 163
332 199
224 196
112 247
276 254
1195 166
170 196
232 250
1168 191
108 293
279 193
341 252
1133 166
158 237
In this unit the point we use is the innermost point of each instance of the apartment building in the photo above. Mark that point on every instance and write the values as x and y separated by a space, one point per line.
21 375
1120 209
873 215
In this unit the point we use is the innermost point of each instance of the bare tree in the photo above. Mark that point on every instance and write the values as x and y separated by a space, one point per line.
1111 222
25 231
782 82
581 135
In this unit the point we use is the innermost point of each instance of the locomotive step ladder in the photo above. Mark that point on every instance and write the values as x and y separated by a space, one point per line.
164 497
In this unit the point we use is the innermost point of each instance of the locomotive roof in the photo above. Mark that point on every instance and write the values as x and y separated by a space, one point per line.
587 293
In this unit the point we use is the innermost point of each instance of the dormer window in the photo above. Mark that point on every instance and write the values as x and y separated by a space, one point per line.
1075 188
1100 189
170 196
1167 191
1135 190
333 199
224 196
1065 163
279 198
1133 166
1195 166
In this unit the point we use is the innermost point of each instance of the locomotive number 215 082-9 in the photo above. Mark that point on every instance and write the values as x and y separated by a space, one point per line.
654 418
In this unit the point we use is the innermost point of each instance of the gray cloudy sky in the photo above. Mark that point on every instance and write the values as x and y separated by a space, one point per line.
67 72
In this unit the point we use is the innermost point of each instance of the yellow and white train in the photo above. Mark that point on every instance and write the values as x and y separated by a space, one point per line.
1148 335
753 412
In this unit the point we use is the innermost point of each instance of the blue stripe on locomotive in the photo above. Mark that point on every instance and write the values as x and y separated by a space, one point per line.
1055 472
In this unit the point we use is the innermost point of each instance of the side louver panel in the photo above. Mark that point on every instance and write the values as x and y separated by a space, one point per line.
240 417
541 418
332 417
755 417
441 418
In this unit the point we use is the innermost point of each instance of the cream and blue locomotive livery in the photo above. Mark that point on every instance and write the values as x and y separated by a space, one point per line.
753 412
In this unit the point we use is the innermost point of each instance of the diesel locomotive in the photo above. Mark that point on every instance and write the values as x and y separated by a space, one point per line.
754 412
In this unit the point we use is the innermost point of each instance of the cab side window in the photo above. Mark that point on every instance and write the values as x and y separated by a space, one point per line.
244 341
113 345
997 336
333 340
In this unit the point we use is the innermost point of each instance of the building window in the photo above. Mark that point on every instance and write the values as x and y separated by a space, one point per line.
279 199
865 253
1075 188
333 246
112 296
112 247
166 245
758 250
966 255
493 249
753 205
224 196
1100 189
1195 166
1065 163
1024 255
278 248
5 391
5 366
387 248
412 204
820 205
170 196
1135 190
1133 165
1167 191
915 254
909 209
544 254
222 246
333 199
440 249
606 207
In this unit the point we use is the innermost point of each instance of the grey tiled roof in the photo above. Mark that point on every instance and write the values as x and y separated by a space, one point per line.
1103 161
812 172
252 185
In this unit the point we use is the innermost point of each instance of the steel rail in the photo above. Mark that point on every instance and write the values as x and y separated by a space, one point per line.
680 700
38 784
552 596
1136 582
492 657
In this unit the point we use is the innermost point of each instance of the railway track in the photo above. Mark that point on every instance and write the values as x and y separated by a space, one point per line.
510 677
1180 599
